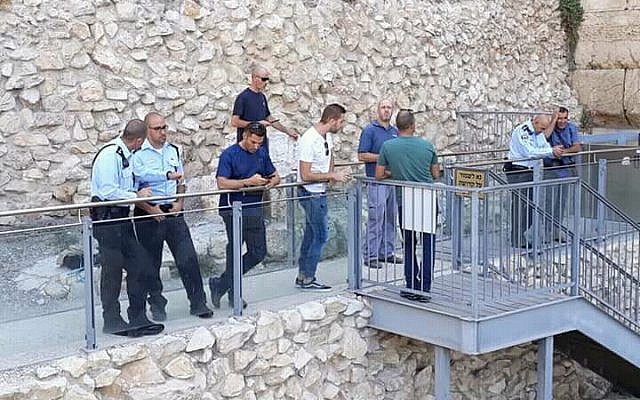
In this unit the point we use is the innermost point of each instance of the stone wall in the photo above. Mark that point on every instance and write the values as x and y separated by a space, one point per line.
607 76
318 350
73 72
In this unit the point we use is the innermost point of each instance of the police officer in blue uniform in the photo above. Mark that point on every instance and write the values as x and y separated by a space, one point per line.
112 179
527 142
158 167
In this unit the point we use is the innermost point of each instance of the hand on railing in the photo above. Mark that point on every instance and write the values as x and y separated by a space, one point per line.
256 180
339 176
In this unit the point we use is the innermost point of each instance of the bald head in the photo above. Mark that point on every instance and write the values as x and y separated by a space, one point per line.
541 122
384 112
406 123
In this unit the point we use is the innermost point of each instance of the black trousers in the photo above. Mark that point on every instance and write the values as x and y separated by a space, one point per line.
173 230
521 205
119 250
254 235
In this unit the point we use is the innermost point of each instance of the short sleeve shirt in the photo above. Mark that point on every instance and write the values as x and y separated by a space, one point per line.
566 138
371 140
317 150
237 163
250 106
408 158
526 143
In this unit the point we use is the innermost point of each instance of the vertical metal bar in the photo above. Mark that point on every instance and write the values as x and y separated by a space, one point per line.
475 244
602 190
353 230
537 178
89 300
291 222
443 373
448 180
237 258
575 244
545 369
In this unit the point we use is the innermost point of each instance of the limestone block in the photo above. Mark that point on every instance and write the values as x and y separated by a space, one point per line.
311 311
353 346
232 336
106 377
602 5
242 358
141 373
180 367
124 355
233 385
76 392
30 96
600 90
172 389
201 339
268 327
632 96
28 140
7 102
75 366
50 60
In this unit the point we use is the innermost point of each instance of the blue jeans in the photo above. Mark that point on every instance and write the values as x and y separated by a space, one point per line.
316 232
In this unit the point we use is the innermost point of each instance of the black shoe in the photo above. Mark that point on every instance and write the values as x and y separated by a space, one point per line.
372 263
299 282
393 259
141 326
214 284
244 303
315 286
201 311
115 326
158 313
421 298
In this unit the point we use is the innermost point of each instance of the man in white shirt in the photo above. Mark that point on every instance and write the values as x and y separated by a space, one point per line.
316 167
528 143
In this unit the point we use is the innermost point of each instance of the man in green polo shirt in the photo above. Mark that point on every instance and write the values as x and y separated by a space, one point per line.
412 159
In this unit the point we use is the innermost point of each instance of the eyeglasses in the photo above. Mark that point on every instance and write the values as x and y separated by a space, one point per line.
326 148
158 128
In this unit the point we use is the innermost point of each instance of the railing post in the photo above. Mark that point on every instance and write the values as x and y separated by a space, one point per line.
354 258
602 190
89 300
448 180
575 244
237 258
545 369
475 244
537 178
291 221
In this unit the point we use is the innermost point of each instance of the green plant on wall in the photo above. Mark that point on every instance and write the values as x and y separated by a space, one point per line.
572 15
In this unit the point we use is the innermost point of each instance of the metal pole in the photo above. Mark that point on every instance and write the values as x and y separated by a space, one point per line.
545 369
443 373
353 263
89 300
237 258
537 177
575 245
602 190
357 229
475 244
448 180
291 222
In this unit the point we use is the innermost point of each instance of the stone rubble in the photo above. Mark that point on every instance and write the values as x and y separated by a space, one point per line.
360 363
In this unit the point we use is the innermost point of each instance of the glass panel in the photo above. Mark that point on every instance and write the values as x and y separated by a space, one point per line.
41 292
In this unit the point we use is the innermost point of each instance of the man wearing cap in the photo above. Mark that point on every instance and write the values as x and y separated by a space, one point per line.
251 105
158 165
243 165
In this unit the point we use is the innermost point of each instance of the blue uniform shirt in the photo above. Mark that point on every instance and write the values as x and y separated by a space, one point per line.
112 173
526 143
566 138
371 140
250 106
237 163
150 168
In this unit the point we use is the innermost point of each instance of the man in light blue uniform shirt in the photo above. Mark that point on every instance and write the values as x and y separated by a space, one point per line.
158 166
112 179
527 145
381 199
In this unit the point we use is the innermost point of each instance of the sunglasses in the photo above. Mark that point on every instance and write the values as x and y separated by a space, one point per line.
264 78
158 128
326 148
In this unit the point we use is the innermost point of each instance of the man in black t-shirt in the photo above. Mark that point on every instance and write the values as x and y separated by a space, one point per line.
251 105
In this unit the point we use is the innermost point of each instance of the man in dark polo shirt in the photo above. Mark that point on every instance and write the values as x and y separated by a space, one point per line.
379 244
243 165
251 105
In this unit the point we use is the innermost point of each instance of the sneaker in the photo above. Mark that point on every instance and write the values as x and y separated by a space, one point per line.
299 282
201 311
315 285
215 291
